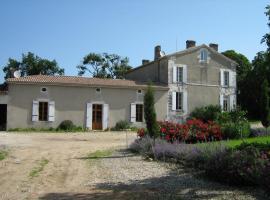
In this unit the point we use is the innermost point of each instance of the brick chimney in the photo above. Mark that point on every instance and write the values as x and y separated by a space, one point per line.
190 43
144 62
157 52
214 46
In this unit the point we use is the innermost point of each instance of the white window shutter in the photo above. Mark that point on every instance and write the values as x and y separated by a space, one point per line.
105 116
221 77
132 112
185 74
221 101
185 101
174 74
173 100
35 111
232 102
51 113
89 116
233 79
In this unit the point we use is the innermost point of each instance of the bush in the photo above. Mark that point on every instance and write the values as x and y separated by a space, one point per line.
246 164
66 125
121 125
192 131
235 130
207 113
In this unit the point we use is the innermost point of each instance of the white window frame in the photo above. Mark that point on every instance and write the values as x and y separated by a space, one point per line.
227 100
179 74
204 55
179 101
136 112
226 78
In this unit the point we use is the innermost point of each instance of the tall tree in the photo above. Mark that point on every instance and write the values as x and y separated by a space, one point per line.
104 65
266 37
150 113
264 104
30 64
242 71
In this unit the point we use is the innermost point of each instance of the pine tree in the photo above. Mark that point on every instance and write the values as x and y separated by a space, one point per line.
264 102
150 113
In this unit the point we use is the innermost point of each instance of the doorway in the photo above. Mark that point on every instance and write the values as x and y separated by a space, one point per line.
97 117
3 117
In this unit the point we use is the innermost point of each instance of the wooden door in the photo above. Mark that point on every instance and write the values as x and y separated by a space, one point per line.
97 117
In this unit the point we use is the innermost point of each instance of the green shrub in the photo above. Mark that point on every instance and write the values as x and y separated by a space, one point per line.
235 130
206 113
121 125
66 125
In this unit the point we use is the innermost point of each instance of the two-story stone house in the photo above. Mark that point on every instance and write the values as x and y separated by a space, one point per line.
196 76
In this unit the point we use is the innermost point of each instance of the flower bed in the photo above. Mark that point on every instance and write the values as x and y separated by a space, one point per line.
246 164
192 131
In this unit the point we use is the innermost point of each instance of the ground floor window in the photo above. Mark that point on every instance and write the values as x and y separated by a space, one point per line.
139 112
43 111
178 100
225 103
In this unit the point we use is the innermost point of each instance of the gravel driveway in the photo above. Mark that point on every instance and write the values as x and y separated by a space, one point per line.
70 174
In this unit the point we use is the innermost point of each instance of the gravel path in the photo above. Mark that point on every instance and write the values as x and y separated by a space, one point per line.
70 174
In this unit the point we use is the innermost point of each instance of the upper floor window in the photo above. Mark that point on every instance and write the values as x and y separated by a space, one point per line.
179 74
226 78
203 55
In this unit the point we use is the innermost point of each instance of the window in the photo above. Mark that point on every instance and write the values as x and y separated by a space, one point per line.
139 91
139 112
43 90
98 90
204 56
226 78
178 101
179 72
225 103
43 111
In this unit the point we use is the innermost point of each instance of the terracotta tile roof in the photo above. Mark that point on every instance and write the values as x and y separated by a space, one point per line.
81 81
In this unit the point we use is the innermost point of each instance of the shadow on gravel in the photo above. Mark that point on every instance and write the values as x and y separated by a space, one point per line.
121 153
171 186
178 184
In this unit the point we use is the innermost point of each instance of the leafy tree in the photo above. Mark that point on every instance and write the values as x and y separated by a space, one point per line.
264 104
31 64
104 65
242 71
244 66
266 37
150 113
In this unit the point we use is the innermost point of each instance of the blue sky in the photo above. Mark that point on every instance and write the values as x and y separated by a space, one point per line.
67 30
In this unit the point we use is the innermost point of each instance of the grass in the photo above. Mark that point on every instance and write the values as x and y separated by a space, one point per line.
35 172
100 154
236 142
233 143
3 154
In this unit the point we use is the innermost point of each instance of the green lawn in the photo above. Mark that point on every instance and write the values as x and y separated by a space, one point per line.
233 143
236 142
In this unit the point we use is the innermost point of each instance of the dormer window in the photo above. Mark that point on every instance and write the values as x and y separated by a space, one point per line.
203 55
